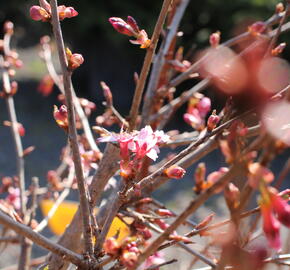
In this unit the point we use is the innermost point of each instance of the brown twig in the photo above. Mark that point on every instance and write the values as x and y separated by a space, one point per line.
160 61
146 65
41 240
85 210
107 168
79 110
17 144
278 31
109 216
187 212
231 42
156 266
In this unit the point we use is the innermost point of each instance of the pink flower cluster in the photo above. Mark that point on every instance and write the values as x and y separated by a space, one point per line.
198 108
140 144
130 28
43 12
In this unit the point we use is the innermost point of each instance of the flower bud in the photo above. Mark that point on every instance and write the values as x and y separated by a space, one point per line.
164 213
163 225
232 196
214 39
204 222
122 27
74 60
8 27
45 86
28 150
199 177
129 259
132 22
61 116
175 172
20 127
38 13
258 173
279 49
14 87
279 8
107 94
111 246
66 12
180 238
257 28
212 121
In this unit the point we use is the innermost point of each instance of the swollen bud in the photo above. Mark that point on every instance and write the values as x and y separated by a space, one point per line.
279 8
61 117
279 49
214 39
232 196
175 172
38 13
74 60
257 28
111 246
107 93
212 121
8 28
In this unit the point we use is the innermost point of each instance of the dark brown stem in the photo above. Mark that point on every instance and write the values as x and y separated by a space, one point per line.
146 65
72 133
41 240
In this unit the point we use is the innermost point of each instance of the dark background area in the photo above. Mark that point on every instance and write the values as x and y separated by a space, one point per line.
111 58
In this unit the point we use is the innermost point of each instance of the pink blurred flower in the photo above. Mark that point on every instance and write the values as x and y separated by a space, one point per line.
258 173
271 227
155 259
281 208
14 197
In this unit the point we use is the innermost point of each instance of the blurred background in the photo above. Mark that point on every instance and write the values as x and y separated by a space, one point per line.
111 58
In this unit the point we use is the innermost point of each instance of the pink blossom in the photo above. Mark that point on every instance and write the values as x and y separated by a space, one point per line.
14 197
271 227
204 106
281 208
155 259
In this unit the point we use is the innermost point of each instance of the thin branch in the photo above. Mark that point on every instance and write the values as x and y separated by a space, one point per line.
146 65
107 168
85 210
187 212
278 31
156 266
17 144
41 240
79 110
160 61
109 216
231 42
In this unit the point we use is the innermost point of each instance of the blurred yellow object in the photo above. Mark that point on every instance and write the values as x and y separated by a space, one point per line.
64 215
